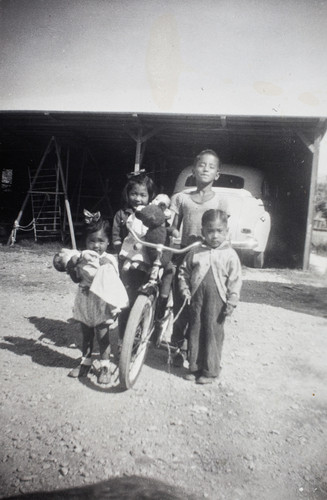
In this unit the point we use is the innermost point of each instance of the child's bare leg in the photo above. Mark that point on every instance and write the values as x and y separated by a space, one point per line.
87 348
102 332
87 343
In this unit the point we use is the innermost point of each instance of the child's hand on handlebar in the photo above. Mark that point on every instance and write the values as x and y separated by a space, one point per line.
172 232
186 294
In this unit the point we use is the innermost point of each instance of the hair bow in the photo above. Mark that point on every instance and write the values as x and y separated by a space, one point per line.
133 175
89 217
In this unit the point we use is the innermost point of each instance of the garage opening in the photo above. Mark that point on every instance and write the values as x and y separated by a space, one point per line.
97 150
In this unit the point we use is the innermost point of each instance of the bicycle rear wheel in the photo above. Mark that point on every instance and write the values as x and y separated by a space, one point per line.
136 340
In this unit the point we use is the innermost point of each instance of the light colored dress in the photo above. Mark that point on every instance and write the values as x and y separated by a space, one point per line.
104 296
131 253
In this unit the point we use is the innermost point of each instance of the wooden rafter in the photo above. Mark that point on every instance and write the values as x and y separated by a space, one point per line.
306 141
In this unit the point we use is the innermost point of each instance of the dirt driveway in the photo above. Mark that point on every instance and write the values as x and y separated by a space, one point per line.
260 433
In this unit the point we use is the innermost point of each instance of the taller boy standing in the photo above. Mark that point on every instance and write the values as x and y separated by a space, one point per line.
188 209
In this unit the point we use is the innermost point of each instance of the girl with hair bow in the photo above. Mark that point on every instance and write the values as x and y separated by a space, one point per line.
100 296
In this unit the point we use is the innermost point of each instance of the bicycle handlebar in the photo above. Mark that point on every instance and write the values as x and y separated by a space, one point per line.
160 247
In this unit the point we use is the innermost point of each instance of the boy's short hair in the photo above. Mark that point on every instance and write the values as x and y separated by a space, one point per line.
214 214
207 152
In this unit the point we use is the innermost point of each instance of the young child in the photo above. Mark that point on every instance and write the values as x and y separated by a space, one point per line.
138 191
211 279
188 209
82 266
100 295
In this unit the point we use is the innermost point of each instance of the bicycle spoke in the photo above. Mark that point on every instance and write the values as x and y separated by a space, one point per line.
136 340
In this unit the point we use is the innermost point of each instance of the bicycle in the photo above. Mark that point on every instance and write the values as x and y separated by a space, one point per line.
142 318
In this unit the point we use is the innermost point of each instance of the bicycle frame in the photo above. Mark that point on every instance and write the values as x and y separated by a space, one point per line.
140 324
152 285
160 248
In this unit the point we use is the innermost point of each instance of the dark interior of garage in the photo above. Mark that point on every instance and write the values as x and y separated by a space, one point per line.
98 150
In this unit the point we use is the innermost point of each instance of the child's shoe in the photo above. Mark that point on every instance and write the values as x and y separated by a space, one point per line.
204 380
126 265
179 358
112 322
104 375
191 376
81 370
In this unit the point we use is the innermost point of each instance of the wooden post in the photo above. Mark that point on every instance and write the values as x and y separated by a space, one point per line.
69 215
67 173
138 151
313 182
84 159
141 141
56 195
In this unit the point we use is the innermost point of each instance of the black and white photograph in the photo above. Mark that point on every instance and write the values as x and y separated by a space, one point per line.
163 249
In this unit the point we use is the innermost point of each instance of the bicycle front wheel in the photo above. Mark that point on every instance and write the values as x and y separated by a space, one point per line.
136 340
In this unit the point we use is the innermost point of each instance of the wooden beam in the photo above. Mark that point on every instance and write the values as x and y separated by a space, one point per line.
132 134
67 175
153 132
140 140
137 163
67 205
313 182
305 141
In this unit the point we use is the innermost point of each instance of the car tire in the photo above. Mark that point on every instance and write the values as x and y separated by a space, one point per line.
258 260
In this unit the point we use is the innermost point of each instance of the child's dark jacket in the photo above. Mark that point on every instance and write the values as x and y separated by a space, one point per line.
119 229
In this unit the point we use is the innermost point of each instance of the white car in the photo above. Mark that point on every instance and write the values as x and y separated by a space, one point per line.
249 223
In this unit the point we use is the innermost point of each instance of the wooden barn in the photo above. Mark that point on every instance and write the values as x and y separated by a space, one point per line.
93 90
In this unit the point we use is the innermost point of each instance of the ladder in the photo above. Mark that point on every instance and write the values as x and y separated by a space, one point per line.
46 200
48 194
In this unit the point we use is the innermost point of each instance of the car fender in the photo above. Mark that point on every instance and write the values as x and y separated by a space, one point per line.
262 230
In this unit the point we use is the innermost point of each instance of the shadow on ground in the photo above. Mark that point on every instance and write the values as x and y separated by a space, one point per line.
127 487
307 299
158 359
39 353
61 333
